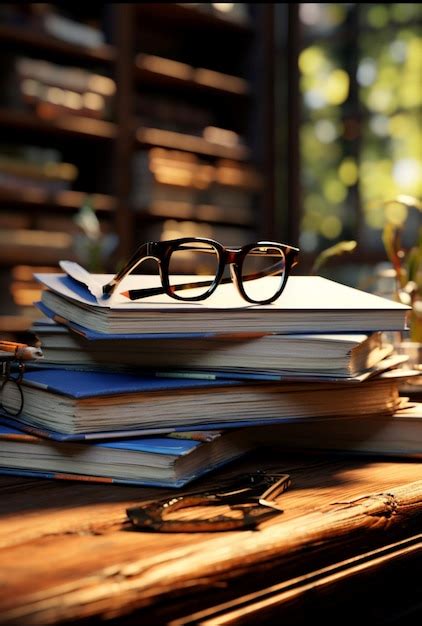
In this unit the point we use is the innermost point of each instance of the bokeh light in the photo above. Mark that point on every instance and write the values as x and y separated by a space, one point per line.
364 147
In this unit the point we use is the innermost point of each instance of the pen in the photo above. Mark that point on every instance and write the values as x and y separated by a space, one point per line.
22 351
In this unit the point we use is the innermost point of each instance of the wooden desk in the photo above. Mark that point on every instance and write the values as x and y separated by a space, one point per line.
68 554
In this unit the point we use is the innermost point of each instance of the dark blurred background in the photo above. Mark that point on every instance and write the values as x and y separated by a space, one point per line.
122 123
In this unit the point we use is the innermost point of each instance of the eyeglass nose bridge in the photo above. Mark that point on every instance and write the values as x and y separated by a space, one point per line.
235 275
152 251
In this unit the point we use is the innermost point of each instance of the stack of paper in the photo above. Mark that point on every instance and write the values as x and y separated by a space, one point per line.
307 304
273 356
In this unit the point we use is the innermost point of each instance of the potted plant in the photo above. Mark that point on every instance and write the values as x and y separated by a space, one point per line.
406 261
92 247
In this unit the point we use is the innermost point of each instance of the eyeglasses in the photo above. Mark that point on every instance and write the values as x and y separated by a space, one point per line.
251 499
259 270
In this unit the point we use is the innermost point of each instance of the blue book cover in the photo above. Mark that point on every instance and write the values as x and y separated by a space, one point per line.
81 384
166 461
67 404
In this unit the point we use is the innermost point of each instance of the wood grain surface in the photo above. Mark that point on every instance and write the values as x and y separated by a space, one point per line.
68 553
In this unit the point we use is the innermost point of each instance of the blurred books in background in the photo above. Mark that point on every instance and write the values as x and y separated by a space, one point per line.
49 18
34 168
50 90
179 184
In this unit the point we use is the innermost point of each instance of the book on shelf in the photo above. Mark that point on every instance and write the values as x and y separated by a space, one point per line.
64 89
191 143
331 355
72 31
180 211
34 168
399 434
166 461
51 90
173 113
27 245
166 176
169 68
36 17
72 404
52 178
308 304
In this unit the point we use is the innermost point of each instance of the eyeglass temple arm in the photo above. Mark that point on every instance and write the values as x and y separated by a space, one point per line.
134 260
135 294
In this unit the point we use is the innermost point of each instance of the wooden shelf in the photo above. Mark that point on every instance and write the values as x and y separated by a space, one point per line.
191 17
64 125
43 41
150 137
157 71
218 108
196 213
29 246
15 323
62 201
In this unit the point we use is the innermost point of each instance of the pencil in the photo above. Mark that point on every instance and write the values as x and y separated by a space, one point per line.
22 351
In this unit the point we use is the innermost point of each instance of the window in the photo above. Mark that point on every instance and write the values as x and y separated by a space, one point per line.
360 134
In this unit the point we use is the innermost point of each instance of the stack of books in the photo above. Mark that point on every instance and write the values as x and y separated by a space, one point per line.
158 392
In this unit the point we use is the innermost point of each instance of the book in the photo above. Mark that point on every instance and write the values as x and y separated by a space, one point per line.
164 461
73 404
333 355
308 304
166 180
72 31
53 89
179 458
399 434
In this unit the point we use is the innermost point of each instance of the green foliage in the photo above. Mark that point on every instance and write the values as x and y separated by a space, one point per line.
407 264
328 253
91 246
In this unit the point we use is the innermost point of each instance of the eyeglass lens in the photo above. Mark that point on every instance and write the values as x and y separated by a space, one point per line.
263 272
193 258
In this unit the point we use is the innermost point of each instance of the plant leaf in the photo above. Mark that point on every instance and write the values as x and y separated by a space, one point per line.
337 249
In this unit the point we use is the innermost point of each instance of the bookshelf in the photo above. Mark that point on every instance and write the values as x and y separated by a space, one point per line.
182 89
72 126
25 39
